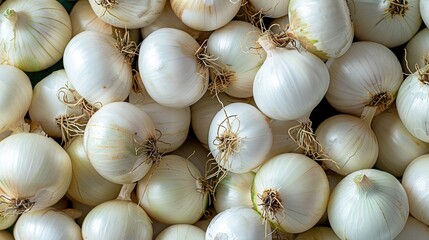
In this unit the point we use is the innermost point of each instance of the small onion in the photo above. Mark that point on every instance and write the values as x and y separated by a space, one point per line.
416 51
271 8
368 199
413 230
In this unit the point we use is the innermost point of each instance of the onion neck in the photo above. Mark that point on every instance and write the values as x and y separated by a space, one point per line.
126 190
368 114
266 43
72 212
363 183
10 18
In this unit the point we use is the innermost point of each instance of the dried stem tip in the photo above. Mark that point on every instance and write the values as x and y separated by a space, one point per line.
15 206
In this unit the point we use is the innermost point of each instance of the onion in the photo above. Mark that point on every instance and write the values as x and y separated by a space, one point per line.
391 23
15 96
46 224
416 51
205 15
415 182
120 141
169 64
6 220
324 28
35 172
413 230
270 8
181 231
290 191
368 199
424 9
34 33
173 192
129 14
368 74
237 223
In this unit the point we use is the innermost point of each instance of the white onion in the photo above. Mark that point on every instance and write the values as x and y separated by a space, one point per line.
46 224
412 103
15 96
237 223
417 51
239 57
205 15
87 185
291 191
181 231
173 192
203 111
324 28
34 33
6 220
368 74
172 123
97 68
128 14
48 109
239 137
424 9
397 147
368 199
415 181
35 172
233 191
413 230
349 143
391 23
120 141
169 65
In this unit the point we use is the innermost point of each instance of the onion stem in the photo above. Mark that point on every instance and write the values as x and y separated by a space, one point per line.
126 190
368 114
15 206
363 182
72 212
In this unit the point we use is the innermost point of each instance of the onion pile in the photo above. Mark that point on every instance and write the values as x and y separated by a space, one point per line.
214 119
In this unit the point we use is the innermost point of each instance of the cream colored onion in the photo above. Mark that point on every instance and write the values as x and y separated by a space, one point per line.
324 28
203 111
368 74
170 69
97 68
412 103
128 14
117 219
239 58
34 33
120 141
424 9
413 230
349 142
205 15
87 185
47 107
173 192
291 191
35 172
417 51
239 137
368 199
325 233
168 19
172 123
397 147
290 83
271 8
46 224
415 181
83 18
5 235
238 223
182 231
15 96
391 23
234 190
